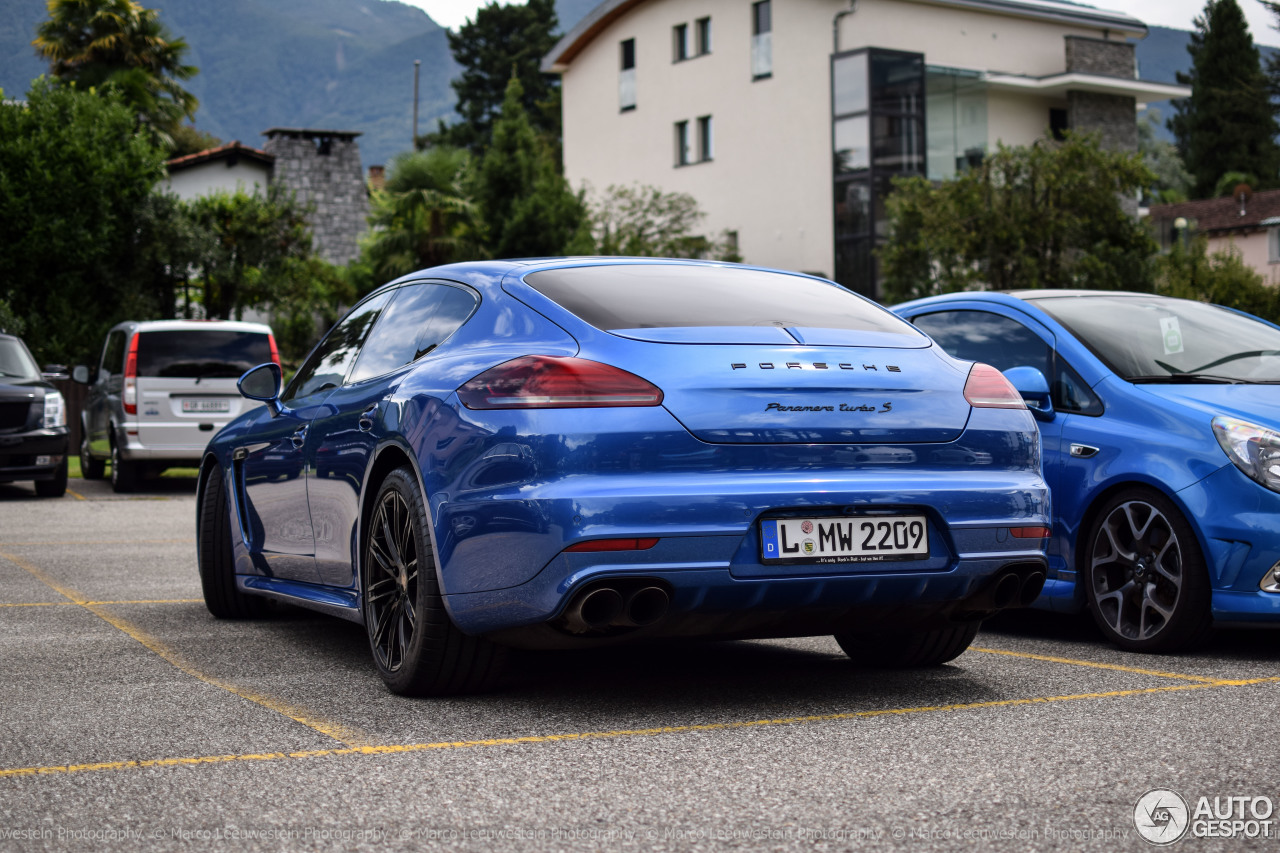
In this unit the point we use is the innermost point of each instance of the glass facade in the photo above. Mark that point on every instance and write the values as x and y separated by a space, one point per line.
956 113
878 105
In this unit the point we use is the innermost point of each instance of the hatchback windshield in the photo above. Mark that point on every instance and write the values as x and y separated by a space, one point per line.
16 362
1154 339
202 354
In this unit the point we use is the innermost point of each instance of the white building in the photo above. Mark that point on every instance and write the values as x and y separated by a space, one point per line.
786 119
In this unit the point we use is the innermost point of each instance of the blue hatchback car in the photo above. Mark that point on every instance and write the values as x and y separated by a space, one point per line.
1160 420
560 453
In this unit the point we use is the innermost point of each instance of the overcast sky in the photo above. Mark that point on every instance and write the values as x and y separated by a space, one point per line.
1165 13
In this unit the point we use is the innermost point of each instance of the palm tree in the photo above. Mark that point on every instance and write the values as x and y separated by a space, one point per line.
118 44
424 216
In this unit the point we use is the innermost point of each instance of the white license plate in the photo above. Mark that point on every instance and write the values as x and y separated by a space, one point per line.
205 406
863 539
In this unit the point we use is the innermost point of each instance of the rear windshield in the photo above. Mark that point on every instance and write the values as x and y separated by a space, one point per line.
201 353
654 296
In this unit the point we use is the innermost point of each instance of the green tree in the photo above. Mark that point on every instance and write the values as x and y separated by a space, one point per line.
501 42
424 216
248 244
1228 123
188 140
119 45
1045 215
307 301
1172 180
73 173
645 221
527 206
1190 271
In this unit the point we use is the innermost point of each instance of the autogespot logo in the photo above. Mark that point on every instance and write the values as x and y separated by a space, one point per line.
1161 816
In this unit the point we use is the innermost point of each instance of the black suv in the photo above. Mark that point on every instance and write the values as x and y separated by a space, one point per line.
33 422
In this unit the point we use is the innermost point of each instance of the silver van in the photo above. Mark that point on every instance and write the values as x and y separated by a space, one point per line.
161 390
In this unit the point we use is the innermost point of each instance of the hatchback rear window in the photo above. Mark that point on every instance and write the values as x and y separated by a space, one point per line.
655 296
201 354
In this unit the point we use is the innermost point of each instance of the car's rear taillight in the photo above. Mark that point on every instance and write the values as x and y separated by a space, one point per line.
550 382
987 388
275 353
130 393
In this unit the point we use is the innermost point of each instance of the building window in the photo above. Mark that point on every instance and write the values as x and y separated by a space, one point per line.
761 40
679 42
627 76
683 154
1273 244
703 32
1059 123
705 148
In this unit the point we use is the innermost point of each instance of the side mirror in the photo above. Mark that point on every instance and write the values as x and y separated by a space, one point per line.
262 383
1034 388
80 374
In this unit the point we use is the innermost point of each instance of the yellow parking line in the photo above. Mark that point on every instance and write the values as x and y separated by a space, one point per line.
393 749
104 603
76 495
1096 665
342 734
101 542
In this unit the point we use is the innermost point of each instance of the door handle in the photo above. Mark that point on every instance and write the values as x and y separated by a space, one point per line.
366 418
299 438
1083 451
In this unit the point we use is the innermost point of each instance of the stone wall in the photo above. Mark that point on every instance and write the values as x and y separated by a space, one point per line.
1112 117
322 168
1096 56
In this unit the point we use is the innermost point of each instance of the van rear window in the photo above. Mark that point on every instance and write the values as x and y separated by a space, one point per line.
201 354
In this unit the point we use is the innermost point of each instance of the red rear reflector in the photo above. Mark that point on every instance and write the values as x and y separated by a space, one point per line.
987 388
547 382
275 353
614 545
1029 532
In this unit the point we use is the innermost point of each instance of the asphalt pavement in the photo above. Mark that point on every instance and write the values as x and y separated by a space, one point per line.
132 718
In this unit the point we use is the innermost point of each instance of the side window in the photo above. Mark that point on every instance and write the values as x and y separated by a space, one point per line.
420 319
113 354
1004 343
327 365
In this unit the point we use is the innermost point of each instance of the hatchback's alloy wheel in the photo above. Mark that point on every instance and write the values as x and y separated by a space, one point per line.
1144 575
416 647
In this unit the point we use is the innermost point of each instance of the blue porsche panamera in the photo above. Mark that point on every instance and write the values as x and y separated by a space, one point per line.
1160 420
560 453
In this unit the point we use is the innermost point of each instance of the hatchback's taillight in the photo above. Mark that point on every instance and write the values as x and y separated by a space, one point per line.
130 393
550 382
987 388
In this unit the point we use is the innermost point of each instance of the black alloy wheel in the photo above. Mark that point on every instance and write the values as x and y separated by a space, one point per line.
1145 578
416 647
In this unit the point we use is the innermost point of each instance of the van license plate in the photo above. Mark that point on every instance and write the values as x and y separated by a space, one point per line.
205 406
864 539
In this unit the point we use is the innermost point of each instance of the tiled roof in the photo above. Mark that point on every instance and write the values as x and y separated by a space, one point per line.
1223 214
231 149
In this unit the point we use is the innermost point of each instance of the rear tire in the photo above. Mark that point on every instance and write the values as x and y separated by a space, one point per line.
909 649
90 467
57 487
416 647
213 549
124 474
